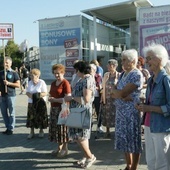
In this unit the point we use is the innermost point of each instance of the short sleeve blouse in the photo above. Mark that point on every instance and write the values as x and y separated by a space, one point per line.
40 87
59 91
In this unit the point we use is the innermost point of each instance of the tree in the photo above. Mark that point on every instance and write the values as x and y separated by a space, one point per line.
12 50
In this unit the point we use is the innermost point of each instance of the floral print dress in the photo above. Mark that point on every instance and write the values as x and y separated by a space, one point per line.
108 110
127 127
89 83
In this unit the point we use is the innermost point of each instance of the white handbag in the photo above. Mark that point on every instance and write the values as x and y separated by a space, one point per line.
62 117
79 118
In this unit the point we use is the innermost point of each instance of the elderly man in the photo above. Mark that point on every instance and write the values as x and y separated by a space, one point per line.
8 95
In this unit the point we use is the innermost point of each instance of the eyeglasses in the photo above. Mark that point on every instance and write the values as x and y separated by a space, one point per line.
148 58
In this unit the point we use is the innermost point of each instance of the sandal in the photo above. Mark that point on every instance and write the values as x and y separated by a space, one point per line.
30 136
81 161
55 152
62 153
89 162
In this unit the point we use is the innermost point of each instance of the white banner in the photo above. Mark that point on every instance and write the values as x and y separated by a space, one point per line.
6 31
154 26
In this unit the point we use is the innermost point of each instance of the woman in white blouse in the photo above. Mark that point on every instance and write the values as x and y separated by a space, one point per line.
37 110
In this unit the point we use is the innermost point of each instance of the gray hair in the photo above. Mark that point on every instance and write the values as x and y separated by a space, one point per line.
131 55
8 58
113 62
159 51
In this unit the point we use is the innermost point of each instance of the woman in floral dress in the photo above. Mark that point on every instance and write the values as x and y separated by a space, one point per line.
83 96
108 107
127 127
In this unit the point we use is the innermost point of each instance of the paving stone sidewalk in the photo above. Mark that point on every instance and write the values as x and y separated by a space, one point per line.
19 153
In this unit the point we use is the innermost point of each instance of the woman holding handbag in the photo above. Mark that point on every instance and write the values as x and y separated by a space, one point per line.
58 90
83 96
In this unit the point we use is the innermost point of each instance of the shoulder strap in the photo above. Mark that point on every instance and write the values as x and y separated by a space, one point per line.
121 75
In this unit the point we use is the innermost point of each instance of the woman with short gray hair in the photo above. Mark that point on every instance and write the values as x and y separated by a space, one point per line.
131 55
157 51
108 108
113 62
127 124
157 109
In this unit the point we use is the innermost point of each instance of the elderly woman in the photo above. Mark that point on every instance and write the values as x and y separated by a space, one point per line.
83 96
108 108
157 109
58 90
127 127
37 111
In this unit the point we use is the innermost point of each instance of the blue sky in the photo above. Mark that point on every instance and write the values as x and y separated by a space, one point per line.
23 13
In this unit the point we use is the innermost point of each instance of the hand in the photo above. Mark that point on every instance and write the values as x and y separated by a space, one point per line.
65 113
141 107
137 106
29 95
51 99
6 82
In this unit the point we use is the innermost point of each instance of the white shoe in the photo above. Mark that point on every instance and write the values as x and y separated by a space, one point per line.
100 130
89 162
30 136
41 134
81 161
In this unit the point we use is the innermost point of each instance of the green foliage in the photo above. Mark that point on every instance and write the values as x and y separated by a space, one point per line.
12 50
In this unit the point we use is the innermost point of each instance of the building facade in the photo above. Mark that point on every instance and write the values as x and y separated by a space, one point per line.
66 39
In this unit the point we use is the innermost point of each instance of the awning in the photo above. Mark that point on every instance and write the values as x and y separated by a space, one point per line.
119 14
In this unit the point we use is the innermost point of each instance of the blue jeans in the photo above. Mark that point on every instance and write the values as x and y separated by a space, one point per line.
8 111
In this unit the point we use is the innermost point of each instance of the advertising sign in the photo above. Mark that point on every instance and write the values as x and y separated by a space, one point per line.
59 41
154 26
6 31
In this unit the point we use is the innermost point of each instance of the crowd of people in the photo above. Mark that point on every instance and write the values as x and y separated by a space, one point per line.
114 96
